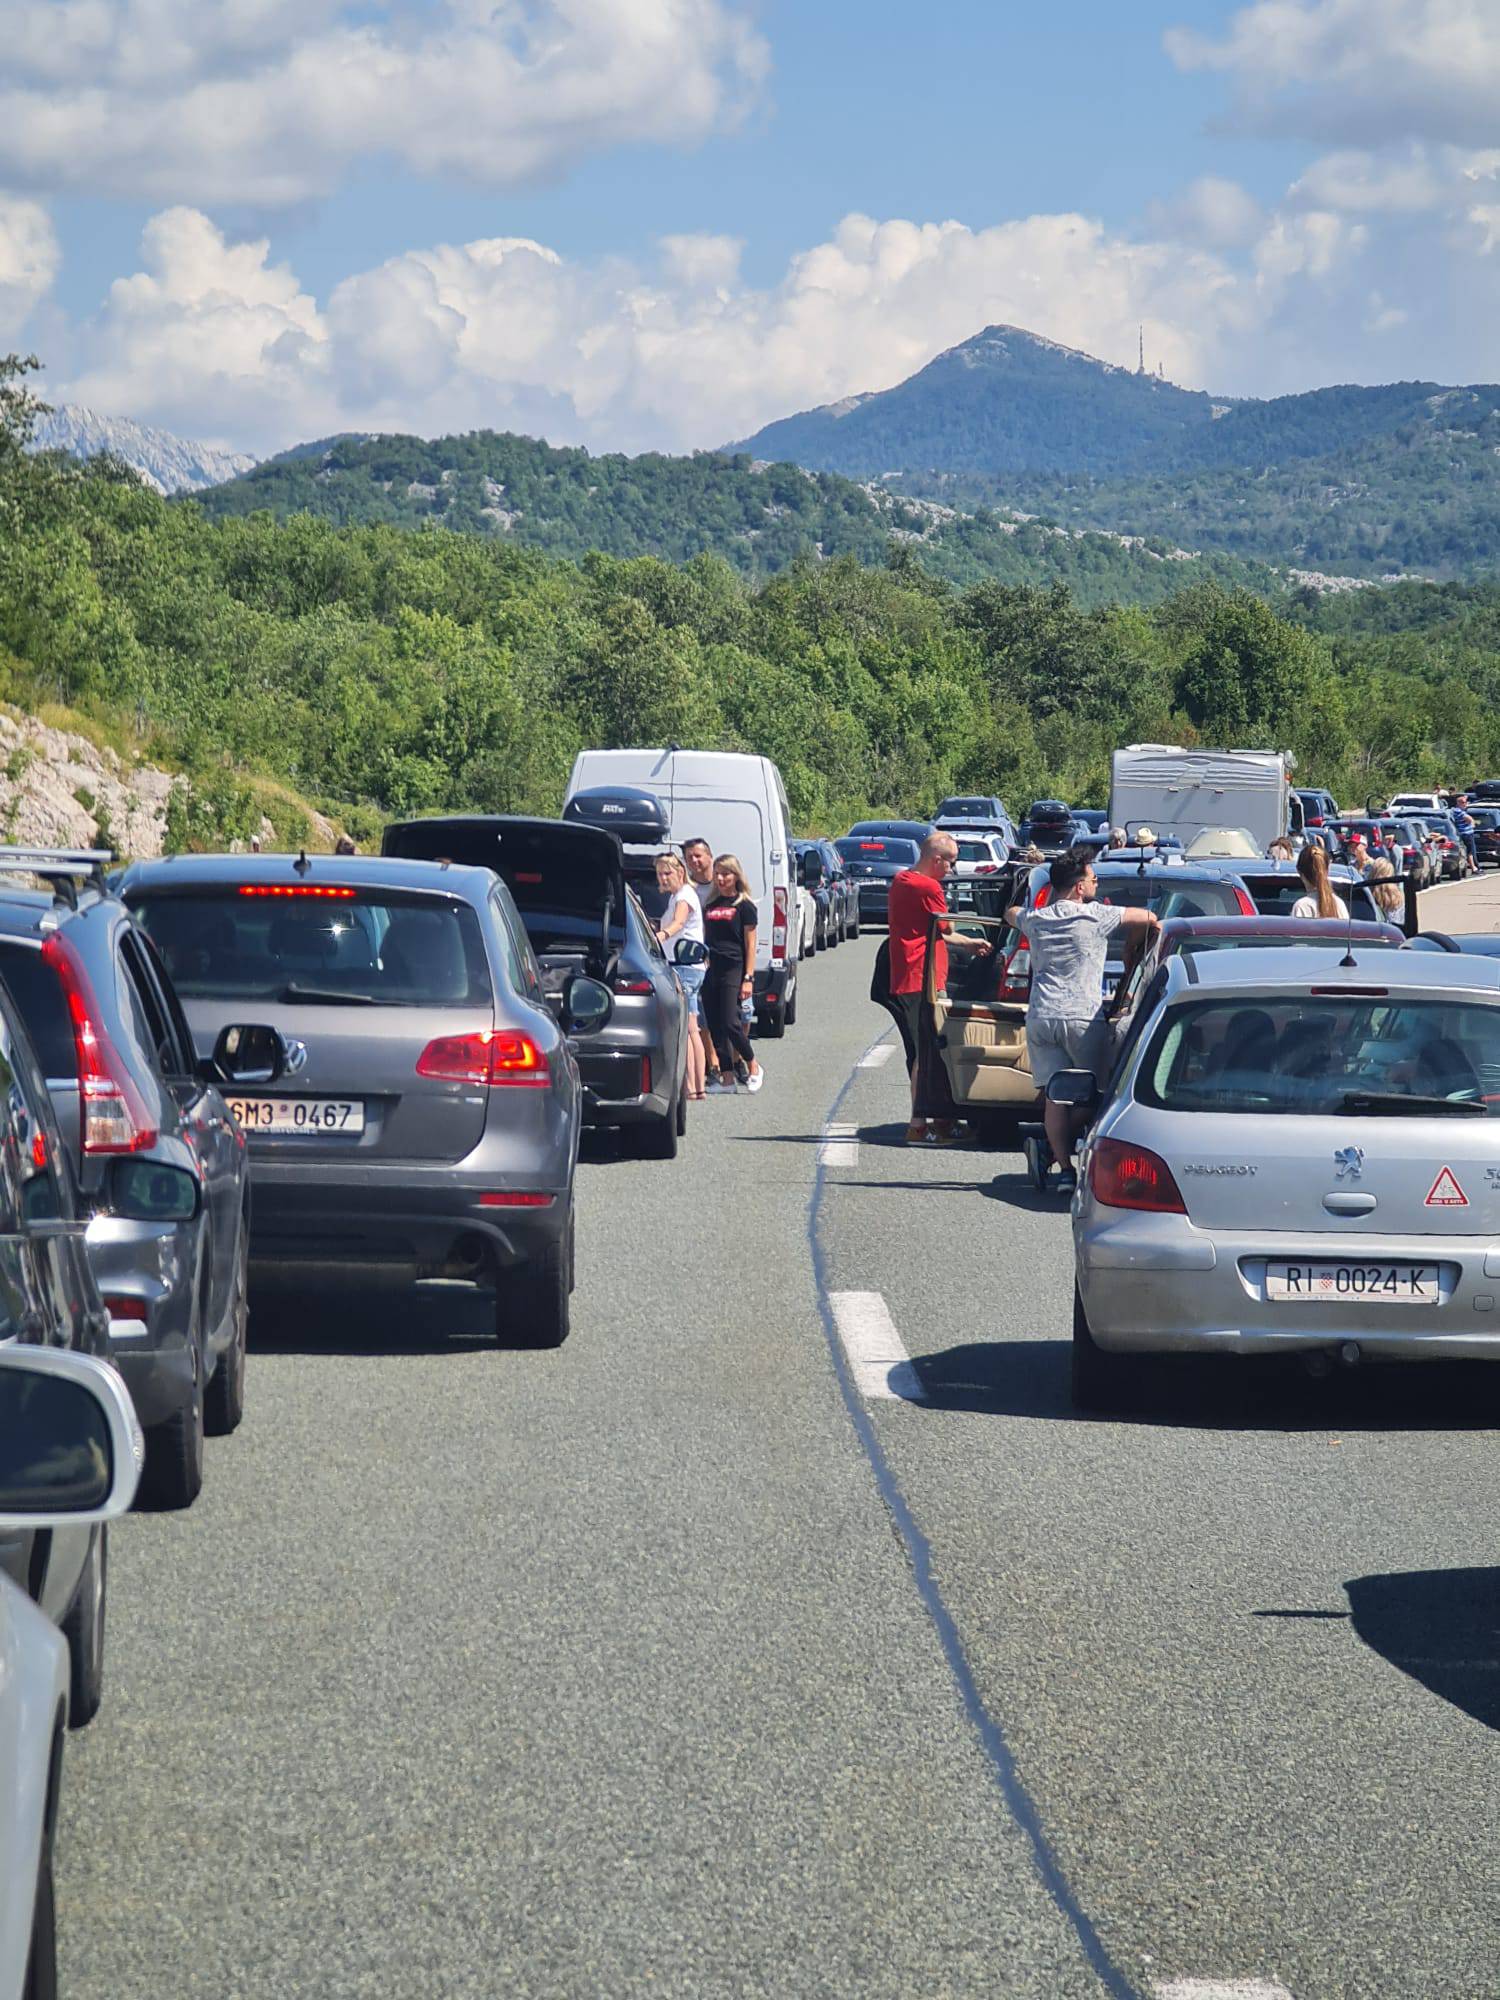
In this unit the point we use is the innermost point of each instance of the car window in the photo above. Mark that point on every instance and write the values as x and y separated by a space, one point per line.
1301 1056
157 1032
380 946
34 987
23 1155
184 1054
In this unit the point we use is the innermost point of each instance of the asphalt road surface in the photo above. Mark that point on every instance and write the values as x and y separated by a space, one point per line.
785 1633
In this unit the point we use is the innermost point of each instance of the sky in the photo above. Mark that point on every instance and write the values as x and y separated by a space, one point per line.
658 224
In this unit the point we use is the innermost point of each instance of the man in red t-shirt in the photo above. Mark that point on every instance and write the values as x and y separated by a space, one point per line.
916 897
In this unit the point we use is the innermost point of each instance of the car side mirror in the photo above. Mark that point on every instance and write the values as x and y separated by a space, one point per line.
1078 1087
586 1004
690 951
71 1448
151 1191
250 1052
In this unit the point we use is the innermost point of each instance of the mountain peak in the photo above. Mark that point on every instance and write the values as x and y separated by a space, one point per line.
170 464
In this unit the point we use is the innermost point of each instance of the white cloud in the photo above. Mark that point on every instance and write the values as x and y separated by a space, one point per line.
268 102
1216 213
1359 72
29 260
212 338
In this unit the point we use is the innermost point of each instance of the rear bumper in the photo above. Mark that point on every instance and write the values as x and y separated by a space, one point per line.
1155 1284
154 1265
413 1218
612 1080
773 985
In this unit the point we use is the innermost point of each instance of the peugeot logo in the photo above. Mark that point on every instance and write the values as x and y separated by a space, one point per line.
296 1055
1350 1162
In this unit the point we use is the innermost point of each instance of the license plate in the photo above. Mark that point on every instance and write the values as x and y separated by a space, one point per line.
299 1114
1380 1284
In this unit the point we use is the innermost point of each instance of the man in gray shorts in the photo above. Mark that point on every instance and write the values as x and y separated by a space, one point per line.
1065 1025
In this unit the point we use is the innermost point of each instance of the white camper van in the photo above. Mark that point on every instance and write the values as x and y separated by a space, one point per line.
737 803
1191 792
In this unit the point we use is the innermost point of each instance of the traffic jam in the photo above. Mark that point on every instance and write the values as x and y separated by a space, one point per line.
1207 1020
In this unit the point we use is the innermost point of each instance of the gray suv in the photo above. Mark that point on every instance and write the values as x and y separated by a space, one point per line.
409 1099
125 1082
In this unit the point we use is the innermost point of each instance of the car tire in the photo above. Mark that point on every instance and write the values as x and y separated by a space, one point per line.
41 1957
852 928
789 1008
83 1628
833 935
1099 1379
224 1399
531 1305
173 1474
658 1139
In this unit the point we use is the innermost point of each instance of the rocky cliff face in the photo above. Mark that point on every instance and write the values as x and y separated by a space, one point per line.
170 464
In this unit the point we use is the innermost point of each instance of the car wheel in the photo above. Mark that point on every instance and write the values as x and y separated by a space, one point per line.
173 1475
658 1140
83 1628
789 1008
1099 1378
41 1959
224 1402
833 934
852 930
531 1305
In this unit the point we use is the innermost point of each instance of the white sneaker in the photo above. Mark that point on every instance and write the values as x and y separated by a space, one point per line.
754 1080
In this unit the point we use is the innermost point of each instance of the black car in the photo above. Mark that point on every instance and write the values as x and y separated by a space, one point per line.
873 861
1048 825
821 871
569 879
1486 833
126 1080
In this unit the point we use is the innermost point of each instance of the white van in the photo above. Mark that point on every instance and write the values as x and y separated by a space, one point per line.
737 803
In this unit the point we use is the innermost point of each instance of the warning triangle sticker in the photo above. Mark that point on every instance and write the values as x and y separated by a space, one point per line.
1445 1192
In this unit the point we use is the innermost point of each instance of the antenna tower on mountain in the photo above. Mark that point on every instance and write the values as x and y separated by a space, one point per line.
1141 364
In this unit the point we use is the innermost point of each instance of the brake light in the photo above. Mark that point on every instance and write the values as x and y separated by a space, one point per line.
123 1308
778 923
519 1199
112 1114
1015 980
1316 820
632 986
1246 901
1125 1176
872 847
491 1056
323 890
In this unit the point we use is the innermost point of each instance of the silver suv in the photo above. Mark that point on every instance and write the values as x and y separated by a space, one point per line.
409 1099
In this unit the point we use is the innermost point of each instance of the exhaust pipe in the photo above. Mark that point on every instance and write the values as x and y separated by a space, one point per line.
467 1260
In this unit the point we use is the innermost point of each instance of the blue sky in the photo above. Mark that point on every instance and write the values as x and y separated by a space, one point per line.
297 215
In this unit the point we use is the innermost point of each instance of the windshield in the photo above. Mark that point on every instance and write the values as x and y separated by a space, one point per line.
355 947
1303 1057
1167 898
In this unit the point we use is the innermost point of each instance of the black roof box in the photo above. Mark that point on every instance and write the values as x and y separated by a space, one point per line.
637 818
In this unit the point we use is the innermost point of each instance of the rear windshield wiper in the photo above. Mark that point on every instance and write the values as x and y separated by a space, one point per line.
1395 1104
324 996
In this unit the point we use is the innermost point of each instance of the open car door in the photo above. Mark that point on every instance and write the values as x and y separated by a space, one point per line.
971 1045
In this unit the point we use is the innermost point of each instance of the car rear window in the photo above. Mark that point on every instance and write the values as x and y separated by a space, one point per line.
1166 898
1277 896
871 849
1273 940
975 851
364 946
1342 1055
34 987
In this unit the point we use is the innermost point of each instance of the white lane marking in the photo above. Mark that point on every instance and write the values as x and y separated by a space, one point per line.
877 1057
877 1360
1222 1989
840 1147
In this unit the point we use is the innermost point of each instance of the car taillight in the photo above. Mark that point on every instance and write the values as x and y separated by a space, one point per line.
1125 1176
1246 901
988 868
119 1307
632 986
778 923
518 1199
1315 821
112 1114
491 1056
1015 980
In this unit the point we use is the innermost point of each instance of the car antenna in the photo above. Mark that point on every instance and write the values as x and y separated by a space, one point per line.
1348 957
302 864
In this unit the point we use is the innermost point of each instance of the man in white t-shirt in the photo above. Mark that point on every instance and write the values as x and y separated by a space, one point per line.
1065 1025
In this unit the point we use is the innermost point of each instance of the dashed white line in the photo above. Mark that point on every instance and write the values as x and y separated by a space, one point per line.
840 1147
877 1057
877 1360
1222 1989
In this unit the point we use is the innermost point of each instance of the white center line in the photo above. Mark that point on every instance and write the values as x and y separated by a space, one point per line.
878 1362
1222 1989
877 1057
840 1147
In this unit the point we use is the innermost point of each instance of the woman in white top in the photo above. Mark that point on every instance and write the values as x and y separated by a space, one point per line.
1320 901
683 918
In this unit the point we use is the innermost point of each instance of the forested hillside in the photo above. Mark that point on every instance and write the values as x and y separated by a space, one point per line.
759 517
1364 480
376 671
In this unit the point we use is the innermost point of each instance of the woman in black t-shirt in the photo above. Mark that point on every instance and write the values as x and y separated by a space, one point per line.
730 920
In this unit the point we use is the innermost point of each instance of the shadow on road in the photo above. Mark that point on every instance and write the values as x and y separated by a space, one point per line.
1441 1626
289 1316
1029 1378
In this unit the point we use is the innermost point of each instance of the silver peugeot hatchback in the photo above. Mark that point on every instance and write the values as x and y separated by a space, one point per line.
1296 1152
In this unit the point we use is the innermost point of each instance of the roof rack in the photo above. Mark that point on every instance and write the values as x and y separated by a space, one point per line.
65 867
